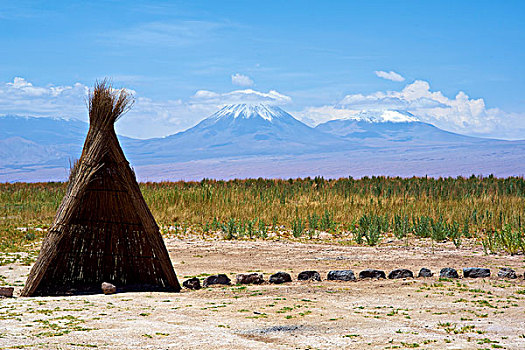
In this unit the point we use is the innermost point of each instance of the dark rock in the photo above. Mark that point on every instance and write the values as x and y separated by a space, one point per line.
371 273
448 272
309 276
280 277
249 278
400 273
6 292
192 283
108 288
216 279
476 272
424 272
341 275
506 272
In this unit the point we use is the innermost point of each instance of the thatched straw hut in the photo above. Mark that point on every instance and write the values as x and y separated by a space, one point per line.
103 230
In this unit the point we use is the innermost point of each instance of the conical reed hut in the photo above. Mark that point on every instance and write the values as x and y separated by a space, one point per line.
103 230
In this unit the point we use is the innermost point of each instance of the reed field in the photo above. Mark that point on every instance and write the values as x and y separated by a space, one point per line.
363 211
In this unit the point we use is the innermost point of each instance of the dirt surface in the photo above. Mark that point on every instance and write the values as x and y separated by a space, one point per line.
426 313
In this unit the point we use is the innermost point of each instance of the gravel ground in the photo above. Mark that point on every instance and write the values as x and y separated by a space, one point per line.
426 313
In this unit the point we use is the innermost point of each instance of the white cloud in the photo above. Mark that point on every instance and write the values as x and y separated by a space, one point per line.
460 114
240 96
317 115
22 97
148 117
389 75
153 118
242 80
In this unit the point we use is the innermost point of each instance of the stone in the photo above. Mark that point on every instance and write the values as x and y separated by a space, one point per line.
108 288
400 273
448 272
309 276
506 272
424 272
280 277
341 275
371 273
6 292
192 283
249 278
476 272
216 279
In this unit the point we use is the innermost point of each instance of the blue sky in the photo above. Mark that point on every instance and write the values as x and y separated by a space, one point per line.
457 64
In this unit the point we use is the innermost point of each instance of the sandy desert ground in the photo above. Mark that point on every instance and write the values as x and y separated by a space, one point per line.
426 313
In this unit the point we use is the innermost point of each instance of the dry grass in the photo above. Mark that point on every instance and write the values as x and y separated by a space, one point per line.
477 205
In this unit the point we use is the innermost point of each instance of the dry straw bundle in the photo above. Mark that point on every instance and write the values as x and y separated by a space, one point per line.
103 230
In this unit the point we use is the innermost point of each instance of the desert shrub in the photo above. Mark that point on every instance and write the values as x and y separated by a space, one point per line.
401 226
489 242
422 226
439 229
370 227
230 229
263 230
313 222
327 223
297 227
250 228
454 234
512 241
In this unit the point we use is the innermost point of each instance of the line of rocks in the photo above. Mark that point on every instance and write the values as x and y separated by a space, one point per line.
346 275
335 275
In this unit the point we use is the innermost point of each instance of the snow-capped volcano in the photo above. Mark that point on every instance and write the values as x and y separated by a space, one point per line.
385 127
264 121
247 111
242 130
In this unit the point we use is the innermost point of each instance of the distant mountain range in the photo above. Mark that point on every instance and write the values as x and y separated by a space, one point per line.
236 130
392 128
259 140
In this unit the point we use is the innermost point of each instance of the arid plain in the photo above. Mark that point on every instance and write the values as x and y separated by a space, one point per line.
429 313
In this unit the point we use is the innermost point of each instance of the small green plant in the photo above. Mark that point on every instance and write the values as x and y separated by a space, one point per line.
297 227
490 242
454 234
401 226
422 226
370 227
466 231
30 236
508 239
230 229
512 241
313 222
327 222
263 230
250 228
439 229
